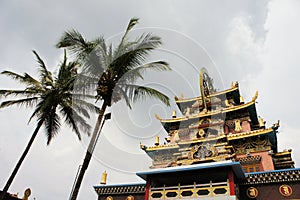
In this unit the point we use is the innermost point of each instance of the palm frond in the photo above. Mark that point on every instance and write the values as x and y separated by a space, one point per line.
137 92
45 74
26 93
27 102
26 78
75 43
135 54
132 75
131 24
75 121
120 93
52 124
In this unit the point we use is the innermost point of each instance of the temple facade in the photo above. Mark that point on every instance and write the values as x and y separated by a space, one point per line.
218 147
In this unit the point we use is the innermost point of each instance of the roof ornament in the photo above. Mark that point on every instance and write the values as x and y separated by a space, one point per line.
27 193
234 85
103 178
181 96
156 141
261 122
276 125
157 117
206 85
242 100
255 96
174 114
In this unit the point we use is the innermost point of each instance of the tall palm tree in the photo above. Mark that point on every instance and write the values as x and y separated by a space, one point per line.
114 72
53 99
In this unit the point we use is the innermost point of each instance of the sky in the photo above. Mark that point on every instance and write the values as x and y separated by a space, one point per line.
254 42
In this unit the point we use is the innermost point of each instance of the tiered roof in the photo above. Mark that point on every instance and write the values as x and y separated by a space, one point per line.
214 127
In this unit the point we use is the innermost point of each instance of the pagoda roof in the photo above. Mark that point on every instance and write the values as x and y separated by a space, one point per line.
160 147
237 136
210 113
233 88
235 166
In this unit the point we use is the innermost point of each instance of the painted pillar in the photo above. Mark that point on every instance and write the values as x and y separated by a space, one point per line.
231 183
147 192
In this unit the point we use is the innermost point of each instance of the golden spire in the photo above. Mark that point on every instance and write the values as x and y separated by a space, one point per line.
261 122
255 96
103 178
242 99
174 114
156 141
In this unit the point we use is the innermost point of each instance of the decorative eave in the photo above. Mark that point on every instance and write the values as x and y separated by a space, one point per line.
203 140
199 98
235 166
250 134
210 113
120 189
283 153
249 159
159 147
275 176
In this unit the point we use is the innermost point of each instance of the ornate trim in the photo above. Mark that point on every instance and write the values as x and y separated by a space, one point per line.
120 189
272 177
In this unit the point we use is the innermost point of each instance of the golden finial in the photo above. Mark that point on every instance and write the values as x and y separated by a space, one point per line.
238 127
156 141
27 193
142 146
174 114
176 98
261 122
236 84
103 178
157 117
227 103
232 84
276 125
255 96
181 96
242 99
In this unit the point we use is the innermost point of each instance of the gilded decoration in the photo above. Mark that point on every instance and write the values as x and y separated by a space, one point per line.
163 158
237 127
285 190
130 197
252 145
252 192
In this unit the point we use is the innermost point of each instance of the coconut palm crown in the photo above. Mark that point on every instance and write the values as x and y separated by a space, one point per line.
114 72
53 99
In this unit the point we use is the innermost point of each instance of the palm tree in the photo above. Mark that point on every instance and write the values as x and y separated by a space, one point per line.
51 96
114 72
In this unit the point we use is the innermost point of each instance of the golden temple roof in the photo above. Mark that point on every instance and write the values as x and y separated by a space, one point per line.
209 113
203 140
160 147
233 88
249 133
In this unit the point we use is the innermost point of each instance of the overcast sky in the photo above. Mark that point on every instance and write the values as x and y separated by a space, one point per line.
254 42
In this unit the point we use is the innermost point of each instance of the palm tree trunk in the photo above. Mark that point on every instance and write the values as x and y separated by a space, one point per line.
17 167
89 152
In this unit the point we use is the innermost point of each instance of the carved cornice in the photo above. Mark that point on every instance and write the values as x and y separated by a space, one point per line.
120 189
277 176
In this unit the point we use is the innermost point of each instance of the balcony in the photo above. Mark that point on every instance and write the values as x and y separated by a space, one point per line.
190 191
